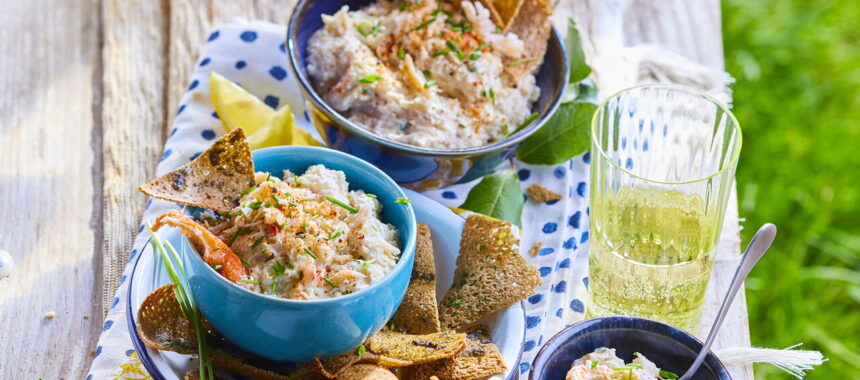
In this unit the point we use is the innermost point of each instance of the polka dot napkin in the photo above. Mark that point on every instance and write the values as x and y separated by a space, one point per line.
253 54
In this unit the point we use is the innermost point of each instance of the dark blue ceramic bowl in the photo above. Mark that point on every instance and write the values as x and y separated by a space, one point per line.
668 347
296 330
415 167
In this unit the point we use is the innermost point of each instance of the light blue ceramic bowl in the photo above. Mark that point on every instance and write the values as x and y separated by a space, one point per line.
296 330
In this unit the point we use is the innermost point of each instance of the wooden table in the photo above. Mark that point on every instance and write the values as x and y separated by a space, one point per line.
89 89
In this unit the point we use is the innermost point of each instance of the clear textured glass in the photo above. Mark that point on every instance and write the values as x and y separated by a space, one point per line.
664 159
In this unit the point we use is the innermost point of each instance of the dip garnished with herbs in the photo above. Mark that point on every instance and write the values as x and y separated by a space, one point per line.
307 236
602 364
423 72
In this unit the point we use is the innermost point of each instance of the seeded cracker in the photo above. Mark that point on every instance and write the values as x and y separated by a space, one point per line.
213 180
366 372
533 26
416 349
418 313
480 359
162 325
490 276
541 194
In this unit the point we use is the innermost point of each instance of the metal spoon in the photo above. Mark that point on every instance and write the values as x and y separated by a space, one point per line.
755 250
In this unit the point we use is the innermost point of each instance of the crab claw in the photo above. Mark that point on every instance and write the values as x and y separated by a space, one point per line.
214 251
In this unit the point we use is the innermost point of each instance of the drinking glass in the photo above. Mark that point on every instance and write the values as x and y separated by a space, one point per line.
664 160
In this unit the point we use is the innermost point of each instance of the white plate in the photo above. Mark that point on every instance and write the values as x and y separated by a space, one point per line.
507 327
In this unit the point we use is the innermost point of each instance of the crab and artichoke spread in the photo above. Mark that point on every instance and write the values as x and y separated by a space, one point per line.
307 236
425 73
603 364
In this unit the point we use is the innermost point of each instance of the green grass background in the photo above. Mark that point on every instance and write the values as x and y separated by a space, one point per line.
797 96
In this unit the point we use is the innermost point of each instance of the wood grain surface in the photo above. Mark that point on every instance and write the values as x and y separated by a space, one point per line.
90 88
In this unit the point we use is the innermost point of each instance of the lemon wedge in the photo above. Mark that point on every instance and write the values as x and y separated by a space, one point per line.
236 107
281 130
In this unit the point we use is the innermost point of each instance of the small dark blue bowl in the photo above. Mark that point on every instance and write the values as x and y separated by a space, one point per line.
668 347
415 167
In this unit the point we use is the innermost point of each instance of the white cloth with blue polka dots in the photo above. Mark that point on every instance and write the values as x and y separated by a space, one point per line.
253 55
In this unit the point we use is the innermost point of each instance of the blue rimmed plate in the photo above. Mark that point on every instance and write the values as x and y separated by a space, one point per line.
507 327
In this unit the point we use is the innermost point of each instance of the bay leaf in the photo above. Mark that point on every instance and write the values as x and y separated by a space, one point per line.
565 135
498 195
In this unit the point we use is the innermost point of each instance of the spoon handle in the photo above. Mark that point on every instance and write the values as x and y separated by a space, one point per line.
755 250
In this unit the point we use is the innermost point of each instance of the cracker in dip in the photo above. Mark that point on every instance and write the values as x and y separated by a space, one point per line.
602 364
425 73
307 236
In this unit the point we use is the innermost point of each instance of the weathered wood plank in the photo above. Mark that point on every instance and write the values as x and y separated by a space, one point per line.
133 117
191 20
49 206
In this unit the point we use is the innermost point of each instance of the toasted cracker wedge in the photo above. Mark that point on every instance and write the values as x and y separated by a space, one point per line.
214 180
162 325
418 313
541 194
490 276
393 349
507 10
533 26
366 372
480 359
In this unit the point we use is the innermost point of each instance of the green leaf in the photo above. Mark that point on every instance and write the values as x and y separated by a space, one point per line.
579 70
564 136
498 195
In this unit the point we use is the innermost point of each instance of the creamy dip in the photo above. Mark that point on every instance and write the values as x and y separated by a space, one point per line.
602 364
307 236
423 73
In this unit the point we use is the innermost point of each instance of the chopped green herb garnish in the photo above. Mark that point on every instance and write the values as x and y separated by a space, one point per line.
329 282
429 83
247 264
311 254
492 95
248 190
269 178
401 200
366 80
426 74
278 267
523 60
368 263
402 6
314 217
335 234
369 195
216 267
594 364
255 205
440 52
481 47
401 53
360 350
305 226
352 210
250 282
668 374
498 30
391 327
239 231
364 29
274 286
454 48
600 350
258 241
291 204
474 56
276 199
425 23
461 126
